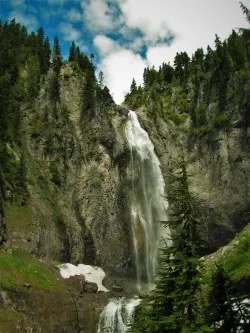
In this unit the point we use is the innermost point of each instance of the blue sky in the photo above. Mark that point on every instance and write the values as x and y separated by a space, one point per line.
128 35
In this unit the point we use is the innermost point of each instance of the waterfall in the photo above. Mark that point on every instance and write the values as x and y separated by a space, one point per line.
148 207
148 204
117 315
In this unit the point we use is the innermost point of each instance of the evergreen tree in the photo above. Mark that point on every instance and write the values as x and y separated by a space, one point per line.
168 73
197 65
92 57
32 43
174 303
56 65
77 53
236 50
40 49
83 62
209 60
56 57
133 86
100 79
47 54
33 77
181 63
89 95
149 76
145 75
246 11
221 72
72 52
40 36
103 96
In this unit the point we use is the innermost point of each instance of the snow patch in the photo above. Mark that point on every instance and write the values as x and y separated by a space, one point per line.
92 273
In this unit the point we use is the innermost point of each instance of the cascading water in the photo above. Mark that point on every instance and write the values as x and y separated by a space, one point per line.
117 315
148 206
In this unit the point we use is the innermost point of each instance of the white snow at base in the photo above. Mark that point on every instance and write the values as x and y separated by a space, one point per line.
92 273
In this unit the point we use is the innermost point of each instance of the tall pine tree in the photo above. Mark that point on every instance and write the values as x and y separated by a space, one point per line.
175 301
56 56
56 65
72 52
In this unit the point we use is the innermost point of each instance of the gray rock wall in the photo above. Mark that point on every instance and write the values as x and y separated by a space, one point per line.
76 180
219 176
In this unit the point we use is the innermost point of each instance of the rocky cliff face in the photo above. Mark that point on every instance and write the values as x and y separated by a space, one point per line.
78 182
76 174
220 180
219 175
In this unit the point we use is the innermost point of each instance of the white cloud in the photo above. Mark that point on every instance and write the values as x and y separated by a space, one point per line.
69 32
99 16
158 54
105 45
119 67
194 24
148 16
74 15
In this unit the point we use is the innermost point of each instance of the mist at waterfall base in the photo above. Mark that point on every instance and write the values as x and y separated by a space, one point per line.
148 207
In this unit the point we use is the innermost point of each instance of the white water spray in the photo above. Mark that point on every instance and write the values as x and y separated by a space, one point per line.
117 315
148 204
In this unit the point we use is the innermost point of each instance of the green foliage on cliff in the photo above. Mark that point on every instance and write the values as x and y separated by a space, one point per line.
95 96
237 263
30 102
23 58
211 88
234 258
